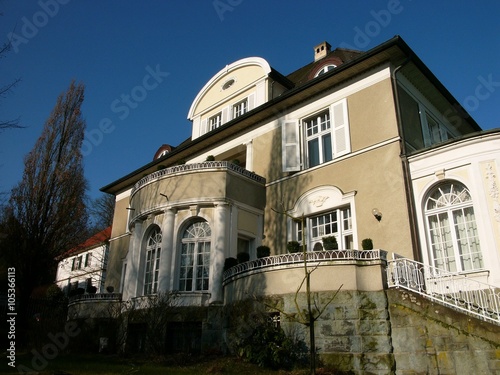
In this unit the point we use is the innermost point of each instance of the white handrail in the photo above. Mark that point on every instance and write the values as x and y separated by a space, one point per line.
452 289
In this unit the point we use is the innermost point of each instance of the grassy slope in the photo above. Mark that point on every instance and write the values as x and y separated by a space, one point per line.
107 365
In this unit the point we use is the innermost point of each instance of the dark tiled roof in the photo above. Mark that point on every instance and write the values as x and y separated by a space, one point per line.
337 57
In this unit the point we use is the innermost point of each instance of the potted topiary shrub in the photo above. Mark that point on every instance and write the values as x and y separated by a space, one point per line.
210 158
91 289
367 244
293 247
243 257
263 251
230 262
330 243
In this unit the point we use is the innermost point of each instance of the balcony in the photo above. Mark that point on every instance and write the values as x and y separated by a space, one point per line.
283 274
99 305
199 183
95 297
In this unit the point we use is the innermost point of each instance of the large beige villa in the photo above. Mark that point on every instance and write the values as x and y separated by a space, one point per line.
354 145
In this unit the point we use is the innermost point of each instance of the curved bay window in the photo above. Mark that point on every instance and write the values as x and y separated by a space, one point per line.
195 257
451 228
153 249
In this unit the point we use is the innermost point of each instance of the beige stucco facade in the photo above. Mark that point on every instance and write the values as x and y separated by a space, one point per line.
347 154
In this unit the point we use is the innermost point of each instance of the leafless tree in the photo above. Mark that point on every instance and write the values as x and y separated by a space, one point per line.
46 212
101 211
6 89
313 311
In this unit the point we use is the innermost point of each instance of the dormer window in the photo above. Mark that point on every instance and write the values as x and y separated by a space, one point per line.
215 121
240 108
163 153
325 69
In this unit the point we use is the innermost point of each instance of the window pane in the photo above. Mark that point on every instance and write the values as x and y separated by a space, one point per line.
313 152
327 147
467 237
195 257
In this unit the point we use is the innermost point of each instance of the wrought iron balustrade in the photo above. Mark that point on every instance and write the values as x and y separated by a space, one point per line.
196 167
96 297
452 289
311 257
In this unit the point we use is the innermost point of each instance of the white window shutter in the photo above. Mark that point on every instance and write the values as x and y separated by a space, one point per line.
251 102
226 115
203 127
340 126
290 146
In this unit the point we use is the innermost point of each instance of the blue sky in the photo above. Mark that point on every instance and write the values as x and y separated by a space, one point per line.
162 53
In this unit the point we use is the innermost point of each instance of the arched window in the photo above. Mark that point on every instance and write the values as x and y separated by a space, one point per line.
452 229
153 249
195 257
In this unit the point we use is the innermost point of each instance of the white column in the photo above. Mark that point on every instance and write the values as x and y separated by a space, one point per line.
249 155
219 251
130 285
232 249
167 250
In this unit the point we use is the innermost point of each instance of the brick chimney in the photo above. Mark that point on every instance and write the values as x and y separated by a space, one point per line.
321 50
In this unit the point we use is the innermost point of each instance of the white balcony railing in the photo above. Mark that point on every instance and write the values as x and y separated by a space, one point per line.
313 257
195 167
95 297
452 289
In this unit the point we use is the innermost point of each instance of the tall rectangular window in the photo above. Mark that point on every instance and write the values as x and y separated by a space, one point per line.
152 268
452 229
194 269
88 259
152 263
240 108
215 121
318 138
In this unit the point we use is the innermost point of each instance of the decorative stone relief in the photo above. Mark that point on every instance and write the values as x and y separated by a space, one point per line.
493 191
318 200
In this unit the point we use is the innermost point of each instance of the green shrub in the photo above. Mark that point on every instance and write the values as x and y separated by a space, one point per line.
210 158
269 346
263 251
367 244
330 243
293 247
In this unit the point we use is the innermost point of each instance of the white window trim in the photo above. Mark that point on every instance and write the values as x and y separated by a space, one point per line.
340 234
426 108
227 113
196 241
449 211
211 121
155 250
296 139
322 200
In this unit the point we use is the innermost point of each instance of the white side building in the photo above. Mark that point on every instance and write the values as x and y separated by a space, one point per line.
85 265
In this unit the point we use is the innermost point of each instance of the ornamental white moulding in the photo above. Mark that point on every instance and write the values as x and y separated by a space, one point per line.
493 191
318 201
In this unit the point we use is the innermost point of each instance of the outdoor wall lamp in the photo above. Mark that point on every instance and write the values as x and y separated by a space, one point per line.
377 214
